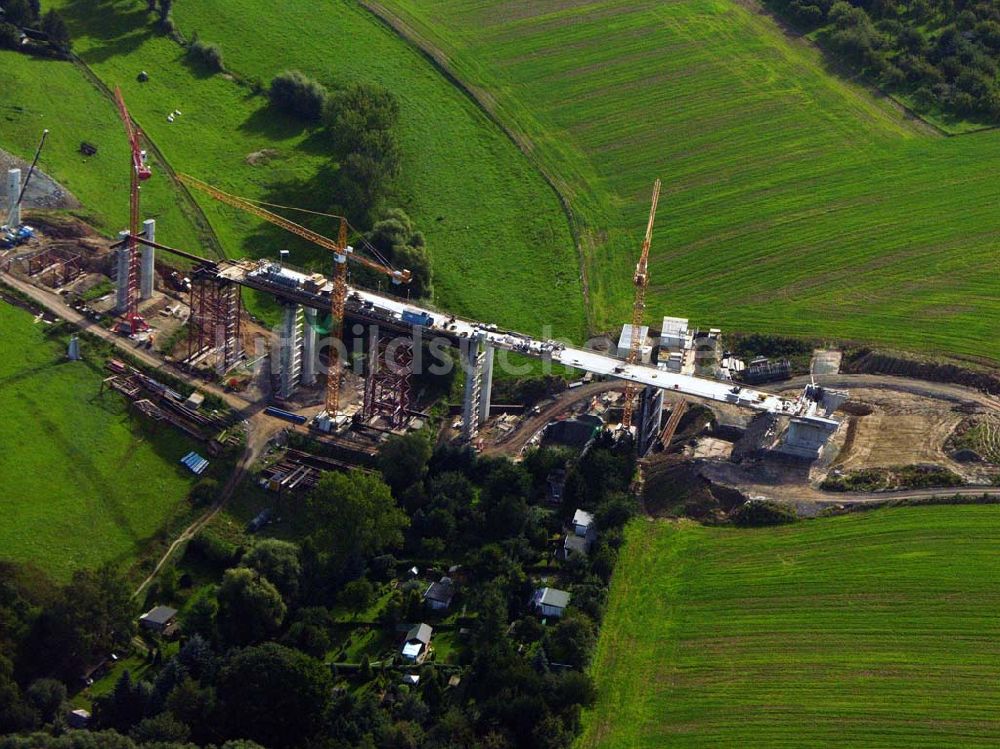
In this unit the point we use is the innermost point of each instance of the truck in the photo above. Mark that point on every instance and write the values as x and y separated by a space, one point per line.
417 318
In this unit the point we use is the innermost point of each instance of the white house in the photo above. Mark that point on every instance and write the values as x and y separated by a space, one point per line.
625 343
583 522
550 601
674 334
418 642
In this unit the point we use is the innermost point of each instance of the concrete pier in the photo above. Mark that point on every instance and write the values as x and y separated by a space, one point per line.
290 353
148 267
486 384
473 359
309 353
13 190
121 275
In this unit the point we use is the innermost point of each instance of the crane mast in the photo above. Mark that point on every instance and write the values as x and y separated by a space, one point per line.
641 281
140 172
341 254
24 187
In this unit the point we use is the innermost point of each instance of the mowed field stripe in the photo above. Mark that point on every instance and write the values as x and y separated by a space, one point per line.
774 169
876 629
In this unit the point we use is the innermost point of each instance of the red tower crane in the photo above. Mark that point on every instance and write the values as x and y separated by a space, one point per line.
641 281
140 172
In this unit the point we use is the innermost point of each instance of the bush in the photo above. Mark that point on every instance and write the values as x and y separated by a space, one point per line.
213 548
293 92
209 55
204 492
760 513
10 37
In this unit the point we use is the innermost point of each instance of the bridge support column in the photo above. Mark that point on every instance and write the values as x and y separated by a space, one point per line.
290 352
648 418
473 359
13 190
148 267
309 353
486 384
121 275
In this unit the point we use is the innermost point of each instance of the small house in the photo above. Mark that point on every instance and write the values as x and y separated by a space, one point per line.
674 334
439 595
550 601
411 680
78 718
574 544
583 523
161 619
625 343
418 642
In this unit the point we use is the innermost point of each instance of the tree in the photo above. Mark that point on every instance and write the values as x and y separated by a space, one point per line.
279 562
357 595
354 514
209 55
199 617
250 607
193 706
47 697
15 713
274 695
165 7
10 36
296 94
91 617
125 705
56 30
19 13
572 639
403 460
358 110
163 727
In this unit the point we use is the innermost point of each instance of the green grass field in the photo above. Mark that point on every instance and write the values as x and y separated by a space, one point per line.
500 243
794 202
871 630
74 110
83 483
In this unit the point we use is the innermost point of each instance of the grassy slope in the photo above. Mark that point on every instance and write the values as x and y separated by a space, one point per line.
794 202
486 214
75 111
82 482
870 630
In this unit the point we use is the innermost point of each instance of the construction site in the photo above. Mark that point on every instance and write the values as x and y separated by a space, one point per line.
340 367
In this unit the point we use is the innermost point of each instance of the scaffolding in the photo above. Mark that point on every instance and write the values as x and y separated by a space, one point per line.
55 267
387 386
214 325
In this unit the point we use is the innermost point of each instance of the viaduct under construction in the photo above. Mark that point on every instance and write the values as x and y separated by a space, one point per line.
216 311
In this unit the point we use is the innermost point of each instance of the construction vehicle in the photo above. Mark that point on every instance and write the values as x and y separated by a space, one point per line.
338 296
641 281
131 323
13 233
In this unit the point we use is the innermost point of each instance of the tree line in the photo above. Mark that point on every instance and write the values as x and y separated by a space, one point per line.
361 121
19 16
942 54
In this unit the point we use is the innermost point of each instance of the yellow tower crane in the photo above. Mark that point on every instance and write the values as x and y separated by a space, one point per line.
341 253
641 281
